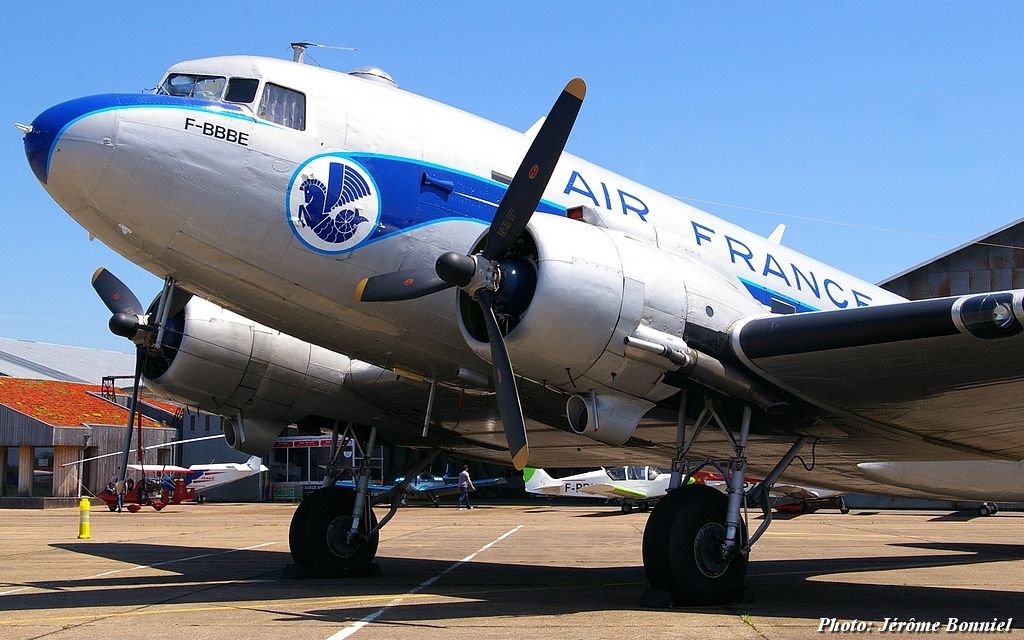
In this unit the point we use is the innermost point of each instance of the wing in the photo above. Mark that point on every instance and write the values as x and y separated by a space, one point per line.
612 491
946 372
374 488
158 468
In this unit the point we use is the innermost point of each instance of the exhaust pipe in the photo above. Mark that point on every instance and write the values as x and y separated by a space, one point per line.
705 369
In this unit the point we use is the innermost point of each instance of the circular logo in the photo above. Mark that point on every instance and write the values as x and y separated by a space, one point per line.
333 204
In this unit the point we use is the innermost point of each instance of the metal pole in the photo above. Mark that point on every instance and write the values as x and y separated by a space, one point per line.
430 406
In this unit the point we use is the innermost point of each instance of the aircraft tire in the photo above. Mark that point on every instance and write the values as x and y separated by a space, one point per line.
327 554
300 519
656 537
626 508
700 575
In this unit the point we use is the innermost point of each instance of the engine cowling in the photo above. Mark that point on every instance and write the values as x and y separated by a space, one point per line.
262 379
594 287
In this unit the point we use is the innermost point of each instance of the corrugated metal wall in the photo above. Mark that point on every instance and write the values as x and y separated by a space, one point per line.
991 263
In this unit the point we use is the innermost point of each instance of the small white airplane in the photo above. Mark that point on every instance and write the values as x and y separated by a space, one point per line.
203 477
630 486
277 189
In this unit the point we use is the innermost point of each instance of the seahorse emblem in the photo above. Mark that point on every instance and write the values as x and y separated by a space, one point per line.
344 189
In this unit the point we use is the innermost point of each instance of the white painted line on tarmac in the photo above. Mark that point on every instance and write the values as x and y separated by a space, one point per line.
356 626
4 593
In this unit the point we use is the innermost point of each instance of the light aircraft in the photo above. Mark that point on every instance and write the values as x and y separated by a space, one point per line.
629 486
275 190
641 486
203 477
426 485
783 497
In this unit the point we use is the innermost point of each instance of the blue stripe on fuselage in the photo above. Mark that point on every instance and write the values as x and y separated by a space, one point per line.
408 201
48 126
764 295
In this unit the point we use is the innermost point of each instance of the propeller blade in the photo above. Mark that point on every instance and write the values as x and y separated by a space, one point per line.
115 294
400 285
524 193
505 387
140 358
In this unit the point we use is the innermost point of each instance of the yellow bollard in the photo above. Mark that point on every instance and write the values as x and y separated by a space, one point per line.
83 519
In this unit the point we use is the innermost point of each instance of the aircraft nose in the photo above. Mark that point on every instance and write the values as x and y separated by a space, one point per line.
47 128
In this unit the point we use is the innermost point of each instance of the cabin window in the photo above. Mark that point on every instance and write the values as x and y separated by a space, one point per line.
616 473
283 106
187 85
241 90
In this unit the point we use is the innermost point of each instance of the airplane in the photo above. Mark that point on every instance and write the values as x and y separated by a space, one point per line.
203 477
336 213
425 485
629 486
784 497
173 484
641 486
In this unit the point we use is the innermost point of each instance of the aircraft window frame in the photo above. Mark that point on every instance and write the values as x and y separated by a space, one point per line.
212 93
283 106
235 82
616 473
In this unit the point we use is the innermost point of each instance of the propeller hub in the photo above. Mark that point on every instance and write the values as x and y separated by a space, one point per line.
455 268
125 325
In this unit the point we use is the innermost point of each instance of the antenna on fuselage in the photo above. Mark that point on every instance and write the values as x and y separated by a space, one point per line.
299 50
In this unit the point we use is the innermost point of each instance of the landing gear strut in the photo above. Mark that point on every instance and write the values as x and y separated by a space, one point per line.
696 543
334 532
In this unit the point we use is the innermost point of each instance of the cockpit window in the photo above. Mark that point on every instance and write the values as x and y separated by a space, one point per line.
188 85
616 473
241 90
283 106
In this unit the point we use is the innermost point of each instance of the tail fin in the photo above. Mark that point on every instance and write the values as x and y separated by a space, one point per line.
254 463
536 478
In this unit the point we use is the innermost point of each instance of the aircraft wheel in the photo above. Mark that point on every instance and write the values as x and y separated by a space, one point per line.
328 553
626 508
300 519
112 507
701 574
986 509
656 537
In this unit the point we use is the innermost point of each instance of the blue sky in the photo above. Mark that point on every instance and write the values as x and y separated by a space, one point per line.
901 122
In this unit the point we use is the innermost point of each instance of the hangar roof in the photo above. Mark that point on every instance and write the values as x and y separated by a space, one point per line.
62 404
42 361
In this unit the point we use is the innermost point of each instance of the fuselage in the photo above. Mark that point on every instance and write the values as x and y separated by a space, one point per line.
234 201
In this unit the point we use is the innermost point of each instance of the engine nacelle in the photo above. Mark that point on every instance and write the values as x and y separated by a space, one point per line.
608 418
594 287
263 379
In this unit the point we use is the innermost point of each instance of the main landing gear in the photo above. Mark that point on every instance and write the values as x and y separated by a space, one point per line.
334 532
695 543
988 509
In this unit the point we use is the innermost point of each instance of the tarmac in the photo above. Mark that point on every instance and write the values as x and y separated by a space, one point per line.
498 571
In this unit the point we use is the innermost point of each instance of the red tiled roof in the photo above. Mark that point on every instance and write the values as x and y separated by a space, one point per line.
62 404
